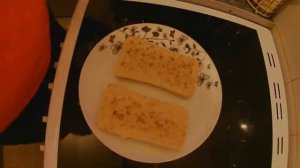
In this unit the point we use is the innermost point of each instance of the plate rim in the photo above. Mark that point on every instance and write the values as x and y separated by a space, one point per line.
169 27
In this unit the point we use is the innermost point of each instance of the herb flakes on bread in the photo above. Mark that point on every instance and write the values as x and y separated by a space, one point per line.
143 61
129 114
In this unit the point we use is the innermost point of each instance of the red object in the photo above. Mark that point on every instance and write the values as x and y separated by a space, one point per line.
24 54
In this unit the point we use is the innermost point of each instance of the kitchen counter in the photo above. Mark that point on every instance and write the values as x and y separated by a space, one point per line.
63 9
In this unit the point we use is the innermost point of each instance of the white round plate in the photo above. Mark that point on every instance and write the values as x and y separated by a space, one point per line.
99 70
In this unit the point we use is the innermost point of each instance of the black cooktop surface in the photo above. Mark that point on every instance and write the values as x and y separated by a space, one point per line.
243 134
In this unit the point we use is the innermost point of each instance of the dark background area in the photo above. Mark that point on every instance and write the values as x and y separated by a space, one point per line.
236 52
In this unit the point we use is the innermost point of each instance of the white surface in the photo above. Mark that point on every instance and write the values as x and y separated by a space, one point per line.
281 55
58 92
99 70
279 126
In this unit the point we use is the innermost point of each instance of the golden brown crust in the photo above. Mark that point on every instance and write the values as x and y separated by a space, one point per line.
131 115
145 62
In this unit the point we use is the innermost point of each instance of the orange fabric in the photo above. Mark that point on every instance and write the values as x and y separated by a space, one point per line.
24 54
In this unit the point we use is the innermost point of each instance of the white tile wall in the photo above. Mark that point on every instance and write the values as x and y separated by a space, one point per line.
287 31
288 24
291 108
297 164
292 152
296 89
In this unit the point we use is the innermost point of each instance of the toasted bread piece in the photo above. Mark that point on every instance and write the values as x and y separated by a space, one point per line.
146 62
131 115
